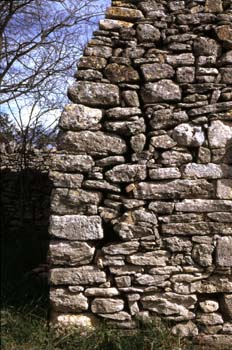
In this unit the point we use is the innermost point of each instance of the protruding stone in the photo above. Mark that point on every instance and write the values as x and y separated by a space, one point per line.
107 306
123 13
188 135
76 227
94 94
162 91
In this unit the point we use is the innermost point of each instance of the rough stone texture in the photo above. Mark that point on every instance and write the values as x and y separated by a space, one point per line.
142 182
76 227
62 300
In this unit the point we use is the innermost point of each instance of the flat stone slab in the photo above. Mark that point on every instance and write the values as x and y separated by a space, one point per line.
76 227
163 90
84 275
93 143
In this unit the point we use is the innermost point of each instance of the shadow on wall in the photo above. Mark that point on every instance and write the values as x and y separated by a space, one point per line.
24 219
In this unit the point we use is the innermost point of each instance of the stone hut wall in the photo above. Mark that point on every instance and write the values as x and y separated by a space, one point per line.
141 219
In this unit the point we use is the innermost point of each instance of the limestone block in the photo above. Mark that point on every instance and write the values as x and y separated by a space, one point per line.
161 207
224 251
66 180
118 73
196 228
113 24
183 59
154 258
98 51
118 316
63 300
210 319
69 201
211 108
147 32
226 302
76 227
164 173
131 127
162 91
215 6
101 292
216 284
92 62
67 322
202 254
70 253
224 189
173 189
209 306
202 205
226 72
176 158
94 94
71 163
188 135
123 112
206 171
162 141
177 244
206 47
127 173
188 329
78 117
123 13
138 142
84 275
101 185
165 118
107 306
224 33
185 74
157 71
131 98
121 248
93 143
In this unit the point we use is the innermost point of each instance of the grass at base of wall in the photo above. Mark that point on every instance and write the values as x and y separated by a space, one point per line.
24 329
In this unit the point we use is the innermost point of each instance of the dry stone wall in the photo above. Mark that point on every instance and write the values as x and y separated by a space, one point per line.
141 219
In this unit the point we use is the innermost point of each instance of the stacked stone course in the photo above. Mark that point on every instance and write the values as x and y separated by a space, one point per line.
141 219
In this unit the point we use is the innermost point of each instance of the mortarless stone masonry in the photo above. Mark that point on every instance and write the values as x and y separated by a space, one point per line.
141 219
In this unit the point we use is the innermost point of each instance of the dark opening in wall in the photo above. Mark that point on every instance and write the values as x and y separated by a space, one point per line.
24 219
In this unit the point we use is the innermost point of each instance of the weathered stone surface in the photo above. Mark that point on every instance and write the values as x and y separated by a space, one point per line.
196 228
76 227
162 141
71 163
66 180
70 253
107 306
219 134
157 71
147 32
185 74
93 143
214 342
81 322
173 189
123 113
113 24
161 207
94 94
123 13
227 305
155 258
176 158
224 33
101 185
206 47
127 173
184 59
131 127
78 117
209 306
177 244
211 108
202 205
162 91
101 292
64 301
215 6
188 329
202 254
164 173
90 62
68 201
216 284
224 189
118 73
210 319
188 135
206 171
121 248
85 275
118 316
98 51
138 142
224 251
165 118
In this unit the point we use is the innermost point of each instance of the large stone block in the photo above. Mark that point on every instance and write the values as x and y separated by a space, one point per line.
84 275
118 73
70 253
224 251
108 306
93 143
78 117
197 228
220 134
62 300
94 94
162 91
224 189
76 227
176 189
207 171
154 258
127 173
123 13
68 201
202 205
71 163
157 71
